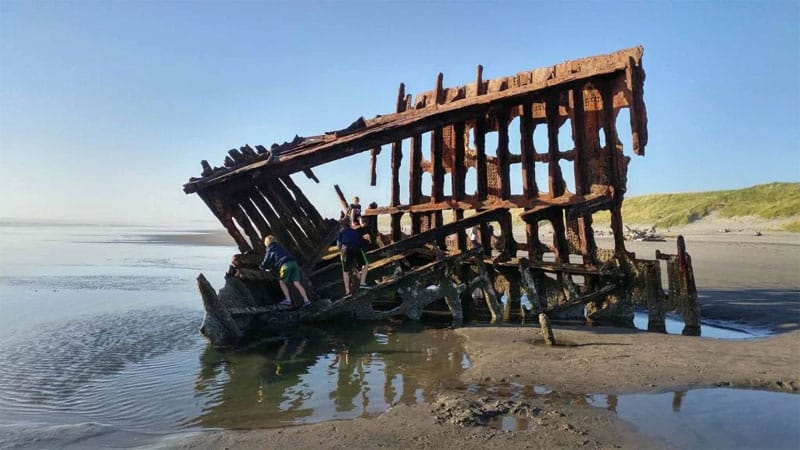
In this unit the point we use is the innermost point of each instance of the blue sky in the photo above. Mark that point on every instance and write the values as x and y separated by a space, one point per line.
106 108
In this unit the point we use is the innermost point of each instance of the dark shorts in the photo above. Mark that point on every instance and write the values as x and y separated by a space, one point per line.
352 258
290 272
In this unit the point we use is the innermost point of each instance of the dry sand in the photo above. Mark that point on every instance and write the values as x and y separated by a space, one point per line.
754 280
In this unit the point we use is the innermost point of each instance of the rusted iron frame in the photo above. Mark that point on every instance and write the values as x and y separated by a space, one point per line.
610 130
397 160
415 180
299 224
584 222
221 211
302 201
281 228
342 199
516 201
435 234
479 136
526 128
437 178
458 178
529 188
373 162
245 224
690 307
398 127
503 153
255 217
555 178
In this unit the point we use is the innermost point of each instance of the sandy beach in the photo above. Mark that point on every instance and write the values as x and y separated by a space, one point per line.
750 280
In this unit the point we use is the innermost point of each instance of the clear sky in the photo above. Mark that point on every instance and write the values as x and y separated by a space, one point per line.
106 108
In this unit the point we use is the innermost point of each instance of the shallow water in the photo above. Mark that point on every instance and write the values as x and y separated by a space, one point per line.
716 418
712 418
99 347
708 329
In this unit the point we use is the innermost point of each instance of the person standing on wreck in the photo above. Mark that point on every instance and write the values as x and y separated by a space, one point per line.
351 246
355 212
277 258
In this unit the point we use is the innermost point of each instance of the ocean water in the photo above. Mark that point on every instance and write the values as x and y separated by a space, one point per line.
100 347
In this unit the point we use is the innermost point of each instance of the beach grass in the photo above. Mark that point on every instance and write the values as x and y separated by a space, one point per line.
766 201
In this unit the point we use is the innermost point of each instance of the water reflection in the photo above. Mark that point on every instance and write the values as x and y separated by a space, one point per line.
711 418
316 374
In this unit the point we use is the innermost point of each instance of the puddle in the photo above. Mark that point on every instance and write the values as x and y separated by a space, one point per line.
708 329
712 418
718 418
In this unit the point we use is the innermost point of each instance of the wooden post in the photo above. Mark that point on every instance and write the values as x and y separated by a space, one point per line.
547 329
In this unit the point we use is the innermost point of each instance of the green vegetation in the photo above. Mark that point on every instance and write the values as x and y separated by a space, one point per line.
792 226
767 201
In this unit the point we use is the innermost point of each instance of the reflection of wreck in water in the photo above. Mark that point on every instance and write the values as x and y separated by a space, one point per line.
254 194
325 374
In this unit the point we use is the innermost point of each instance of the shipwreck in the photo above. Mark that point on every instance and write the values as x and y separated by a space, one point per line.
539 253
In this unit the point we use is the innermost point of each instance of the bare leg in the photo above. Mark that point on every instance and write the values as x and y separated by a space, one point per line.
302 291
364 271
285 290
346 279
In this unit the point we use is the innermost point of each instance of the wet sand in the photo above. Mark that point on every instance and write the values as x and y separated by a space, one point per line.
751 280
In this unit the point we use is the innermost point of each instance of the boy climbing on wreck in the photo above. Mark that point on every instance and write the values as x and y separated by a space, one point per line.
277 258
351 245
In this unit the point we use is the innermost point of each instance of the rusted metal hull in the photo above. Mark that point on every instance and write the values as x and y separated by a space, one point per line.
254 195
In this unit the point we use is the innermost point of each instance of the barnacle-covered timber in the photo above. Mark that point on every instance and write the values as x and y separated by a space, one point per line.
543 257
